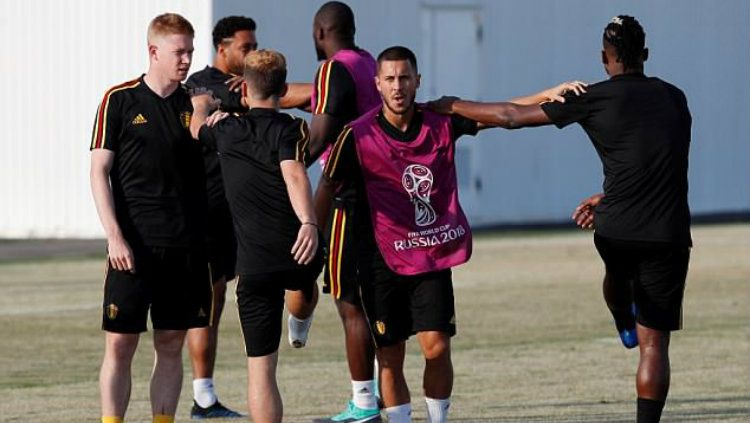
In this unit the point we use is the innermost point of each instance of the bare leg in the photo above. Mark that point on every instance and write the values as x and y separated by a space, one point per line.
299 306
263 397
652 379
360 351
394 389
114 376
166 378
438 371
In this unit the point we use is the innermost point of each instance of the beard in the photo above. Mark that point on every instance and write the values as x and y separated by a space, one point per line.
320 53
408 105
236 68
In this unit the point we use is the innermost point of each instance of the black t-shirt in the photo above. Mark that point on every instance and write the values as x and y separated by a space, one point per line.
251 148
640 127
157 177
214 80
336 94
343 166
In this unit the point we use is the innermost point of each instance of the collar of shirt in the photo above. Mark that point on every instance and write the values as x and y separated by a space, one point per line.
412 131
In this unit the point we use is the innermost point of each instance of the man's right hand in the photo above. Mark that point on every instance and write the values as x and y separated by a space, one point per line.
234 83
216 117
556 93
583 215
306 246
120 254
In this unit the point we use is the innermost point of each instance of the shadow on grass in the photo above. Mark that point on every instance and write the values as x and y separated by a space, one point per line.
733 408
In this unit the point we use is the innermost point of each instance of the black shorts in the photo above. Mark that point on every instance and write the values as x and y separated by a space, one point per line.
221 245
657 270
398 306
340 276
173 283
260 300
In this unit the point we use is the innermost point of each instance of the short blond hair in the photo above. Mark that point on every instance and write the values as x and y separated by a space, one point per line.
168 24
265 72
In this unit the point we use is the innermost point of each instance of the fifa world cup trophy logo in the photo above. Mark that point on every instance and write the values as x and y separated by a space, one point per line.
417 181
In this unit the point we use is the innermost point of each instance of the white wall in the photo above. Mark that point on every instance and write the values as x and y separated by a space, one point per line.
539 175
58 58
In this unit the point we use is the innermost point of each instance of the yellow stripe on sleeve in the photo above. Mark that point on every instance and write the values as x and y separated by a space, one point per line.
302 142
333 159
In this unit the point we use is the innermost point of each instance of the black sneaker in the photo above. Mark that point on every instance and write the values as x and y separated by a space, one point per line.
216 411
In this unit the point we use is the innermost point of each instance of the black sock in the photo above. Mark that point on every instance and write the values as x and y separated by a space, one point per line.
649 411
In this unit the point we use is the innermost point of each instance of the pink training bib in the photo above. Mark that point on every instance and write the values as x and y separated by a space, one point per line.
413 194
362 68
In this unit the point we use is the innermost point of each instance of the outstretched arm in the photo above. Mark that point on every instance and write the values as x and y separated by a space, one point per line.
505 115
297 95
551 94
519 112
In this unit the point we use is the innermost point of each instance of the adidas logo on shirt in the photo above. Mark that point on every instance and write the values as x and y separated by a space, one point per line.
139 120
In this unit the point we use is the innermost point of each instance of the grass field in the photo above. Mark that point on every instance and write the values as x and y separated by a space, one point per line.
535 341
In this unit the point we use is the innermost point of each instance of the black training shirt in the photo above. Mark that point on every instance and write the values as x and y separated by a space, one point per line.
214 80
337 94
251 148
343 166
640 127
157 176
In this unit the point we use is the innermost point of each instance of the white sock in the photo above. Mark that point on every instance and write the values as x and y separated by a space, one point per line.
437 409
363 394
376 375
203 392
299 330
399 414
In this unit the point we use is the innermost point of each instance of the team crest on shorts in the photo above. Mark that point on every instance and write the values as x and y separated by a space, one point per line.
112 311
201 312
185 119
380 327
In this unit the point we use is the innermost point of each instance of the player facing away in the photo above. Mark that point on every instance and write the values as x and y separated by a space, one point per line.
398 159
344 89
262 157
233 38
148 187
617 296
640 127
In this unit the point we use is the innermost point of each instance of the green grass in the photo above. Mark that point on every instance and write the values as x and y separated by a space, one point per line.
535 341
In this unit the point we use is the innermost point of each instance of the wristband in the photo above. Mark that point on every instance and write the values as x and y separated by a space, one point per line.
310 223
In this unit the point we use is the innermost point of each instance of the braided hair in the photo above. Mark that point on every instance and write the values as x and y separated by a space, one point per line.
626 35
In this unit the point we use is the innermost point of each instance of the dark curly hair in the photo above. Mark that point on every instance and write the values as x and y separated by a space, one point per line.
226 27
626 35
